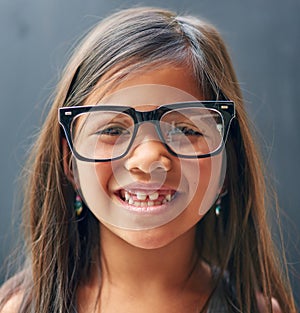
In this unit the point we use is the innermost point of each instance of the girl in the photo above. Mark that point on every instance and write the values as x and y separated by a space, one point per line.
145 190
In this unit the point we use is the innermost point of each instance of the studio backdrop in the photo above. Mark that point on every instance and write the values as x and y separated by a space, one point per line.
263 39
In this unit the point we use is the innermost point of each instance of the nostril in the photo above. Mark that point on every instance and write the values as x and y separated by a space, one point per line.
147 165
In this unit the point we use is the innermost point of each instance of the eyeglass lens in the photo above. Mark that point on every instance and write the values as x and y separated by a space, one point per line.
101 135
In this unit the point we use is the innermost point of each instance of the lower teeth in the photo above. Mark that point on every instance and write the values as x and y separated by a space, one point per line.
146 203
143 203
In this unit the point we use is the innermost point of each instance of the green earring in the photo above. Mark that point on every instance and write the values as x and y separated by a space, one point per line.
78 205
218 207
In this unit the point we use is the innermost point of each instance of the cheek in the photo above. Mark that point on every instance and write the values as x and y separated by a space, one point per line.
93 179
206 185
104 173
93 175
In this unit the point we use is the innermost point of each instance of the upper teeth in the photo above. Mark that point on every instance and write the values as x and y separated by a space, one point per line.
141 196
154 196
168 197
145 199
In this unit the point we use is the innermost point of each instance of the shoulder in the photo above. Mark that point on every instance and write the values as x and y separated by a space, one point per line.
11 294
13 304
262 306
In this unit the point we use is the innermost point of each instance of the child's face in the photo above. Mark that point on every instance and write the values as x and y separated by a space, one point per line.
150 197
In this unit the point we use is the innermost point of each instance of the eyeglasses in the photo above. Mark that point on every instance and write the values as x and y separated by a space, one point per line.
107 132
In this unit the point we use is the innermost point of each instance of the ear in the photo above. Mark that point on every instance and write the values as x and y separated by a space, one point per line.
66 157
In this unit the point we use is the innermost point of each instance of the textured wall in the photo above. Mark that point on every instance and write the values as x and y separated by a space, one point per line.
263 37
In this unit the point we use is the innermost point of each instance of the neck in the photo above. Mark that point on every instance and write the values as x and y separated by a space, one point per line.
170 266
168 278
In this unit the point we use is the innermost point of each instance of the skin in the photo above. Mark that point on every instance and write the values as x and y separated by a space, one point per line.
149 161
153 270
151 257
155 264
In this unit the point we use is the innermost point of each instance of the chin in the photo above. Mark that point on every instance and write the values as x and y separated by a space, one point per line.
149 239
154 238
180 229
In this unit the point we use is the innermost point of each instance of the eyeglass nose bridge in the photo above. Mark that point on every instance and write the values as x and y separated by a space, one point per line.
146 116
152 117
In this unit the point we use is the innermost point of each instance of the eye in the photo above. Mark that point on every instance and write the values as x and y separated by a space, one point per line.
113 131
112 135
186 131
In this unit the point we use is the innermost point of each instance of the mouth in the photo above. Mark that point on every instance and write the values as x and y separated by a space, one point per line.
146 201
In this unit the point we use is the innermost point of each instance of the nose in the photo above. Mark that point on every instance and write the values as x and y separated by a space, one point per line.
148 157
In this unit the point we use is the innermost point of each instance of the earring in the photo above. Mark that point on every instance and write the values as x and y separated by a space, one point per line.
78 205
218 207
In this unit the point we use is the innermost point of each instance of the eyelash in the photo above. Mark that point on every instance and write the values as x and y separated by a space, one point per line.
184 130
107 131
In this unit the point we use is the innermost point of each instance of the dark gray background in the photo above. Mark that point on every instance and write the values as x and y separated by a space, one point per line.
263 37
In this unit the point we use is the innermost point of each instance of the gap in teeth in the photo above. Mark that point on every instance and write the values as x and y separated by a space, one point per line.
143 199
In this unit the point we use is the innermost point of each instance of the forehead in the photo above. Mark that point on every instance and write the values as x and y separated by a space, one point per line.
167 84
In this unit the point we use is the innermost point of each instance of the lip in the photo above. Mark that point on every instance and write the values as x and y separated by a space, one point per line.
146 187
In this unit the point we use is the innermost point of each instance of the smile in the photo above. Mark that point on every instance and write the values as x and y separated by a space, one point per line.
147 201
143 199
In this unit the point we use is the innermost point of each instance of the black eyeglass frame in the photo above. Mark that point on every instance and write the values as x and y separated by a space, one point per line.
225 107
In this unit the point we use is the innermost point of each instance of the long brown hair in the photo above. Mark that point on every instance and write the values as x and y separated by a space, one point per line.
60 247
